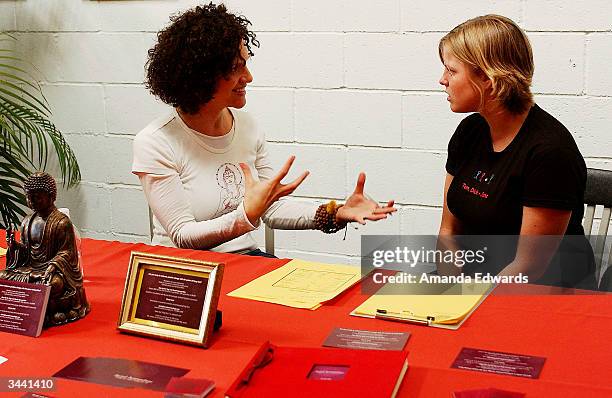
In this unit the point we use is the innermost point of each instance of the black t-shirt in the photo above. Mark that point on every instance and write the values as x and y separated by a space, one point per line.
541 167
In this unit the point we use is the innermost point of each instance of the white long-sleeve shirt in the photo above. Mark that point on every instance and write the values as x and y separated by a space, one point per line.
194 185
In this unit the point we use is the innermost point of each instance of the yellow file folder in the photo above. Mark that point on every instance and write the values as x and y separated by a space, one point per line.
300 284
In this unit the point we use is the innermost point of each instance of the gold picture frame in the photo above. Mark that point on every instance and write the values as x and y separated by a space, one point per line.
171 298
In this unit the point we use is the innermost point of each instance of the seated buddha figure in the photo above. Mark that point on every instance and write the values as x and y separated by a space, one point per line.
47 253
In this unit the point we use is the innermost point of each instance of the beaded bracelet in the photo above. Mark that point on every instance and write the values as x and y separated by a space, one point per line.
325 218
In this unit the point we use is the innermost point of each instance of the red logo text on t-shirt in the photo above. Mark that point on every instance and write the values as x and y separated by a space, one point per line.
474 191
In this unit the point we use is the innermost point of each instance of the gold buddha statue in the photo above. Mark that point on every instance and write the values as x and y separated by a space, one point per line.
47 253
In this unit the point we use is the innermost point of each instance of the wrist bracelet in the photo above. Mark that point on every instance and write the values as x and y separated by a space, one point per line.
325 218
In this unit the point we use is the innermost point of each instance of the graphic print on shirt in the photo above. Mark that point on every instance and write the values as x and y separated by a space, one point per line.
482 177
231 182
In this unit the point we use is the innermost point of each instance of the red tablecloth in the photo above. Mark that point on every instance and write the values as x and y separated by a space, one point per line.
573 333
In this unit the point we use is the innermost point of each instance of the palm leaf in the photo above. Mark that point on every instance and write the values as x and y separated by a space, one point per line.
27 136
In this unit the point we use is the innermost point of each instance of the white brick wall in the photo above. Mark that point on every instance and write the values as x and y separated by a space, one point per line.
345 85
7 15
443 15
348 117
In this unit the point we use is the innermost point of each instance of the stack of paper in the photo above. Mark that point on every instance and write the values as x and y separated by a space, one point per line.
447 309
300 284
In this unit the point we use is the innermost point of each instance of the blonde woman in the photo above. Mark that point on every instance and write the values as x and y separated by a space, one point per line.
512 168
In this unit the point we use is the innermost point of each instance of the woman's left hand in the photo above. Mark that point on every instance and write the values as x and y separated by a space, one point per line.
359 207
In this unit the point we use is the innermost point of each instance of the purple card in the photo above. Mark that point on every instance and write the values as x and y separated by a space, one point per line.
22 307
328 372
366 339
499 362
118 372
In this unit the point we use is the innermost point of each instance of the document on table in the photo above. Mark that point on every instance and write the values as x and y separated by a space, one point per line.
447 309
300 284
2 251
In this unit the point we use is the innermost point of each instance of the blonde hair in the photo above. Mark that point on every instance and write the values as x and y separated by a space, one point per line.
496 46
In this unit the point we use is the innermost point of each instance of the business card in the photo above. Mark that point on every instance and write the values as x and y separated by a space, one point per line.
503 363
366 339
119 372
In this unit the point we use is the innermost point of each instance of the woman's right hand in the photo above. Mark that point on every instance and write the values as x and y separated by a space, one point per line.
260 195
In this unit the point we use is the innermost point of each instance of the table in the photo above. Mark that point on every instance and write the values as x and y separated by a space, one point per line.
574 333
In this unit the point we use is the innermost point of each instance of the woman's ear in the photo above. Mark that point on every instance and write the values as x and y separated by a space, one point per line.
482 77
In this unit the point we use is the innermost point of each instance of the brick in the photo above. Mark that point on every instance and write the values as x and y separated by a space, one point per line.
76 109
594 140
89 206
588 118
392 61
317 15
409 177
35 48
327 166
348 118
428 122
321 15
90 57
92 156
273 110
420 221
130 212
120 102
298 60
599 57
568 15
138 16
104 159
118 152
377 16
443 15
7 16
559 63
57 16
269 15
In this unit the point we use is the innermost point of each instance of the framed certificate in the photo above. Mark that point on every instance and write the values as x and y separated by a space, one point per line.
171 298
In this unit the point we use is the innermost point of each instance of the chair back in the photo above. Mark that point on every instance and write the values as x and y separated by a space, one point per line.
598 192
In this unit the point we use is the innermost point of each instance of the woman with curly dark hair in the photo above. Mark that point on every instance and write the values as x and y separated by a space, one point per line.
204 168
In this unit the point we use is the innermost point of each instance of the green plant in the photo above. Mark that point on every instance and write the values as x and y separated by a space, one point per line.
26 135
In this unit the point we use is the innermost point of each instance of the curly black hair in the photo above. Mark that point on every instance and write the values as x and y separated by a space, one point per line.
200 46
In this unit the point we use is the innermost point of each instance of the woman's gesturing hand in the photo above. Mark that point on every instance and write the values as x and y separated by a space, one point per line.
259 195
359 207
